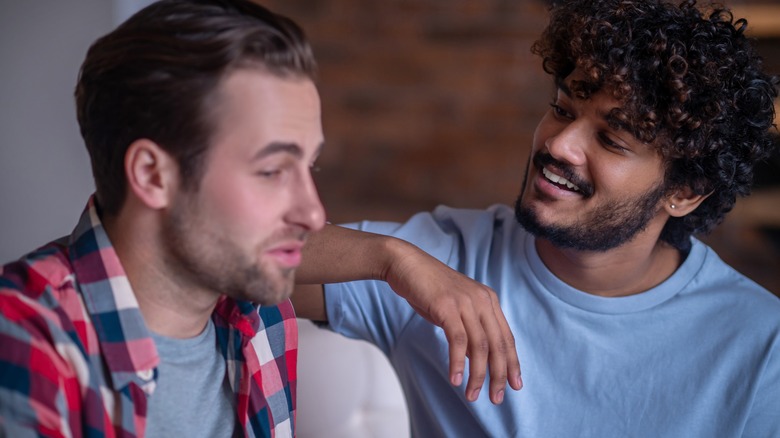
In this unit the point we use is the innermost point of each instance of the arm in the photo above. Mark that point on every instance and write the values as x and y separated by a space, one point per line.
764 418
36 391
468 311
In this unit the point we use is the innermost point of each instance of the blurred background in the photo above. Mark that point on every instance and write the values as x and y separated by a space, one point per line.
425 102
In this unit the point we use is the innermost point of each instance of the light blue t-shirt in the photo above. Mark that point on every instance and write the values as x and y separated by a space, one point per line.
696 356
193 397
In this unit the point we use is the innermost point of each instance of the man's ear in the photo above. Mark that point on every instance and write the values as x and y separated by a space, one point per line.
152 173
683 201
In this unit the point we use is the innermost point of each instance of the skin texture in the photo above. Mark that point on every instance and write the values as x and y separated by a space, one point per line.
687 74
662 135
467 310
614 216
617 179
241 232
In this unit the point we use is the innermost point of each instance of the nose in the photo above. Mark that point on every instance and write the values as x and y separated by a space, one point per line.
307 210
568 142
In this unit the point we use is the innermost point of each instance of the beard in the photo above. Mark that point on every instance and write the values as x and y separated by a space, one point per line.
605 226
200 258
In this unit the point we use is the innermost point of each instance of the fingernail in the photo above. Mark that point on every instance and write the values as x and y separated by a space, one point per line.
519 382
474 395
500 397
457 379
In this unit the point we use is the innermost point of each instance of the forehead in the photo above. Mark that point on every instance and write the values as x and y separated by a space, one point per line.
602 99
578 86
252 107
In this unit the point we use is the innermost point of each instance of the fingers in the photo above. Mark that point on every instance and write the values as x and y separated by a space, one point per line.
493 350
514 374
478 352
456 335
503 361
473 322
476 328
458 345
496 359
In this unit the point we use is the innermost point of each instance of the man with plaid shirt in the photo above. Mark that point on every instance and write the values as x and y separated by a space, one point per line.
166 310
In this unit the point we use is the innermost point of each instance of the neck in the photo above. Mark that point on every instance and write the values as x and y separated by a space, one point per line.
630 269
169 304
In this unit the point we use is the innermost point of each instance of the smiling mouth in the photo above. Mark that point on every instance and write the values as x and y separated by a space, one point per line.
559 180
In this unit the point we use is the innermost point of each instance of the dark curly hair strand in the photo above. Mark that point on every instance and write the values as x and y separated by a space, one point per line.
689 81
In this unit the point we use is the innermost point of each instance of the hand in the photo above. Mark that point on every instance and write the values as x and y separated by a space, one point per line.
470 315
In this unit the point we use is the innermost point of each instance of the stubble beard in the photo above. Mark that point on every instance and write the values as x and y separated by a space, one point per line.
205 260
604 227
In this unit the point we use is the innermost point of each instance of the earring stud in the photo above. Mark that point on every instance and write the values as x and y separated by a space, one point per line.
673 206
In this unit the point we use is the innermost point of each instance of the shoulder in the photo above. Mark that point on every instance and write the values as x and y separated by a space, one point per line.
717 274
35 273
495 216
721 286
40 303
36 287
37 300
444 229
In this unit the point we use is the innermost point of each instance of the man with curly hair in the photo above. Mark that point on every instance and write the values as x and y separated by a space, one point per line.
627 325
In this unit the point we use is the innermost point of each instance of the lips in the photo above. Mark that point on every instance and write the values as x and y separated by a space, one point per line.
287 255
559 180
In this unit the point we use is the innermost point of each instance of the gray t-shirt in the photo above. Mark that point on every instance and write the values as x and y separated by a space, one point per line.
193 396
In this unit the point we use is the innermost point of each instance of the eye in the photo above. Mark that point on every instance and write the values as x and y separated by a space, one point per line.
559 111
611 144
269 173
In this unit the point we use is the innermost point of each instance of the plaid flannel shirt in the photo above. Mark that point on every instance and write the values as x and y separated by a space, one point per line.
76 358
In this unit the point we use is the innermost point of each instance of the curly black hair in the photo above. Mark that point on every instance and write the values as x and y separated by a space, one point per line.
687 80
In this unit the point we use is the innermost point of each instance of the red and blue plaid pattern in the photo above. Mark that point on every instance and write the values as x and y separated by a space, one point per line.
76 358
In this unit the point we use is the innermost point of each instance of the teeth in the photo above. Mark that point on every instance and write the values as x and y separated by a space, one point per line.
559 179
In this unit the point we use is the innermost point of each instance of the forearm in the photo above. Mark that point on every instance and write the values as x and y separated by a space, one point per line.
468 311
337 254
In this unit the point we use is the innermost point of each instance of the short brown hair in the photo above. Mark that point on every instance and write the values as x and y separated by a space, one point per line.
154 75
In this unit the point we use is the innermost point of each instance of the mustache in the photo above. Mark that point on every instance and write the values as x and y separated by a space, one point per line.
542 159
289 233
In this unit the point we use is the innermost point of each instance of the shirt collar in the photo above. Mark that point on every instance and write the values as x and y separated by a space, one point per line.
242 315
125 341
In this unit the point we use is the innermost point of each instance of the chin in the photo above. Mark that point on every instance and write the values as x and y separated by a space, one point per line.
265 289
273 292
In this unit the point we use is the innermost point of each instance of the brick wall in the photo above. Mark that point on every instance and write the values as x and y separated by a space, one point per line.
429 102
424 102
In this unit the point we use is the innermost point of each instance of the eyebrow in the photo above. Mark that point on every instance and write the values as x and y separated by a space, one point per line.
606 115
561 85
277 147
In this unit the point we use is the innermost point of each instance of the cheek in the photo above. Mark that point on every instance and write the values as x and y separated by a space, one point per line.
548 127
541 134
628 177
235 205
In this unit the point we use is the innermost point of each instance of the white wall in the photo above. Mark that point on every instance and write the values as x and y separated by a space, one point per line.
45 177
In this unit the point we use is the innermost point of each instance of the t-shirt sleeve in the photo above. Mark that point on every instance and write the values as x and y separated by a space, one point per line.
370 310
764 417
